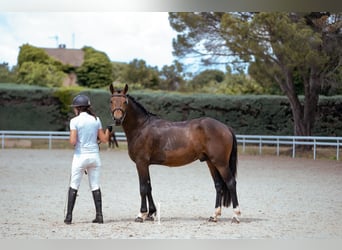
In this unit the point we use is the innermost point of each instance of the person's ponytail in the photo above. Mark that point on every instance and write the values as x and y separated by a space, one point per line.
91 112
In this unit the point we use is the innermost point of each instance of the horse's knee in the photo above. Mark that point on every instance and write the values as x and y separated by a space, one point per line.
145 189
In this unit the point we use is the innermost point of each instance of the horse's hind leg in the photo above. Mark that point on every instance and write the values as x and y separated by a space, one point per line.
231 185
230 190
219 185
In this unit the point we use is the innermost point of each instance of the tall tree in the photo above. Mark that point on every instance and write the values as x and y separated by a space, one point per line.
138 72
172 76
6 74
298 51
96 70
35 67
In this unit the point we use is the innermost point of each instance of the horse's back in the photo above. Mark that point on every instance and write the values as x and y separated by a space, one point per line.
213 127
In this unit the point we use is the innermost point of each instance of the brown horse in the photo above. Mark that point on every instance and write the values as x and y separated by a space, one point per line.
152 140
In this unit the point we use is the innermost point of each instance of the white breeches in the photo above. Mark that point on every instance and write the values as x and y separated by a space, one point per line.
82 162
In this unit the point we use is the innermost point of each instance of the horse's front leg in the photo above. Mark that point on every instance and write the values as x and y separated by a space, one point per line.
145 194
151 207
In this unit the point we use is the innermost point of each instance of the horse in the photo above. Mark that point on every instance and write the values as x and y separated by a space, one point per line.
112 140
152 140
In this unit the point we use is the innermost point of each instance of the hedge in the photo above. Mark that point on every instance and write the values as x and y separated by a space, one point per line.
38 108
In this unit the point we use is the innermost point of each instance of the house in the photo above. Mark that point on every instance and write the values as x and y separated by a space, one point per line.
73 57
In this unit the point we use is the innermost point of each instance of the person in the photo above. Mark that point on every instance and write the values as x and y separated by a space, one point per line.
85 131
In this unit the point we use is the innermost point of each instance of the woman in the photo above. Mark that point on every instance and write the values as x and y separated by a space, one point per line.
85 131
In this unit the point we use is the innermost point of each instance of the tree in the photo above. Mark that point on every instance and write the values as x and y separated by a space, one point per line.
34 73
35 67
6 74
118 69
297 51
29 53
172 76
138 72
206 77
96 70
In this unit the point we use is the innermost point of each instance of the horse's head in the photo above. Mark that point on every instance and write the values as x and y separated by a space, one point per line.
118 104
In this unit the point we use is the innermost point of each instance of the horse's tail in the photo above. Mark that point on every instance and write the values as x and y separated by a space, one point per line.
233 160
226 199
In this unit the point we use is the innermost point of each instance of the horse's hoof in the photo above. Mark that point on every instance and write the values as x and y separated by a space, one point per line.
149 218
212 219
235 220
139 219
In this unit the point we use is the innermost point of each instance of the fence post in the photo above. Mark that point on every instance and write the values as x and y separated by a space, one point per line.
338 149
50 140
2 140
260 146
294 148
314 149
277 146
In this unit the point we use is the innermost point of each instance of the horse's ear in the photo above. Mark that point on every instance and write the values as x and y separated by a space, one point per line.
126 89
111 88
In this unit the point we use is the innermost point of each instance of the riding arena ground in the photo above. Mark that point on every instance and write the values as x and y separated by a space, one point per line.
280 198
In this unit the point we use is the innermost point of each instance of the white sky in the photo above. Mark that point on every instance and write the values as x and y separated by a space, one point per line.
123 36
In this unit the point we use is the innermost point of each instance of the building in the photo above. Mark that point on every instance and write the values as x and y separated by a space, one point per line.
73 57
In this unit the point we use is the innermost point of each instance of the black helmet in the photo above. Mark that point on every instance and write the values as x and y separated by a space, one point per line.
81 101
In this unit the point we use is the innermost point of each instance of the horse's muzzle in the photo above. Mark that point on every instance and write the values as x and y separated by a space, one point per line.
118 116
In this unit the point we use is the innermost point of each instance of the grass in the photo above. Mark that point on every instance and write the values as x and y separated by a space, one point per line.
327 153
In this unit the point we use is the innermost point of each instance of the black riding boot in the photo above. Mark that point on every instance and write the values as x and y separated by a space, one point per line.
71 203
98 206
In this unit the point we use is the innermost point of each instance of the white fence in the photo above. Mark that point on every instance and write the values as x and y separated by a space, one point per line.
259 140
292 141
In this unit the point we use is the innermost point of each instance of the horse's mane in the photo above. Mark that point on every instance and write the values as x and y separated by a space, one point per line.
131 98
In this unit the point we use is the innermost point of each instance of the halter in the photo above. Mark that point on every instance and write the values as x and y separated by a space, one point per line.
123 111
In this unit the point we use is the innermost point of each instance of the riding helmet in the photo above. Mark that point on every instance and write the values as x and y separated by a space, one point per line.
81 101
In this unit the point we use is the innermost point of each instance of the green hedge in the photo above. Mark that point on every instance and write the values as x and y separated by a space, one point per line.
246 114
37 108
29 108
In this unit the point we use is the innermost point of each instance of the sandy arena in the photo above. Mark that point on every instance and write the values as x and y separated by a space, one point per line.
280 198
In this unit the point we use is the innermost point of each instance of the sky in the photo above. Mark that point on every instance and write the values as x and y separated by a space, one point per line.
123 36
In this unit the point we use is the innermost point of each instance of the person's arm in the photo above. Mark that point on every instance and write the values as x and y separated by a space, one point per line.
103 136
73 137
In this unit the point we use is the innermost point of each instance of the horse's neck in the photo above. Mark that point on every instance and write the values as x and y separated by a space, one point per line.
135 120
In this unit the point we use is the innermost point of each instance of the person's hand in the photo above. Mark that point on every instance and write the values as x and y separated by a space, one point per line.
110 128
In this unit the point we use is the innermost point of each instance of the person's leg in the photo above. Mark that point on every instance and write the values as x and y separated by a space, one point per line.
75 180
98 206
94 175
71 203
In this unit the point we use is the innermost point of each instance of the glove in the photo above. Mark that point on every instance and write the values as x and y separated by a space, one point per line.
110 128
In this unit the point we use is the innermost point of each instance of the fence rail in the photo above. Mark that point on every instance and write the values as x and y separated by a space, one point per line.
258 140
293 141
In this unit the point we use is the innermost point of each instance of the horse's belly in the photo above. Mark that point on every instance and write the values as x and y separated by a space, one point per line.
179 158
